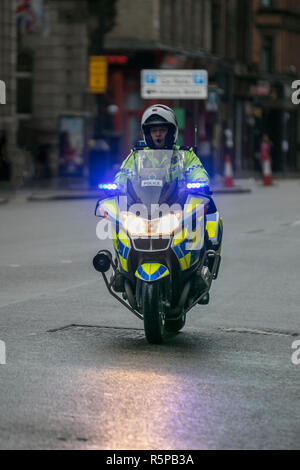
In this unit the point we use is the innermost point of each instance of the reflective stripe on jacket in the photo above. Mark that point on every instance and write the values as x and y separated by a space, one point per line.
190 169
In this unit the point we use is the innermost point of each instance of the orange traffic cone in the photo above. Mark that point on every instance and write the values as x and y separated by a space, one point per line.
267 170
228 173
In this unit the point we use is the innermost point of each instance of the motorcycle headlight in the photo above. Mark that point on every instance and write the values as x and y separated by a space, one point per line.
139 227
136 226
166 224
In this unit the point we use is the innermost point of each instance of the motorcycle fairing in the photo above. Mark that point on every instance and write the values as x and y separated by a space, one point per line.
111 207
179 237
187 243
151 272
214 227
186 257
194 204
122 246
123 249
121 241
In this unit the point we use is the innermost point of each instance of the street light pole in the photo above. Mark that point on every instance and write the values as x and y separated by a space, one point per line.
99 51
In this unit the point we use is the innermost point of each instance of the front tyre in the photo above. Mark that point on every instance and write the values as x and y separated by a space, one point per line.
152 309
174 326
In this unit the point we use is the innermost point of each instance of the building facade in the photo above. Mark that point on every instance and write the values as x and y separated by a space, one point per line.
249 48
8 47
53 66
165 34
260 46
44 63
275 56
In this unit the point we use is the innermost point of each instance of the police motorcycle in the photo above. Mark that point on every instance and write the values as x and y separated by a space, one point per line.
163 235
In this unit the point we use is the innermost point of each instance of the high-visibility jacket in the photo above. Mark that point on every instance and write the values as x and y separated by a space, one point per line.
189 168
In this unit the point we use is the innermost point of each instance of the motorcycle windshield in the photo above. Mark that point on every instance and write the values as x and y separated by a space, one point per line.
153 159
152 173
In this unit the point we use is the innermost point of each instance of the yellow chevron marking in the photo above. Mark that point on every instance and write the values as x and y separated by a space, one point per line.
211 228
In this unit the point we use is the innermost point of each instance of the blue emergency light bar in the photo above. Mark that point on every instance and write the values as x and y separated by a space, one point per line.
111 187
197 185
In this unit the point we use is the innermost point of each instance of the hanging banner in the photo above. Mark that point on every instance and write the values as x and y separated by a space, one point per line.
32 14
25 16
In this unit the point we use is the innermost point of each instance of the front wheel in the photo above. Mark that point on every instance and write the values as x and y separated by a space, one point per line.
174 326
152 309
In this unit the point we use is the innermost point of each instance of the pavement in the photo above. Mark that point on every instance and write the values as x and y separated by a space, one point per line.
83 192
63 195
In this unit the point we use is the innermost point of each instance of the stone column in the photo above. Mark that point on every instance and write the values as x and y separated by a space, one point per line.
8 46
60 80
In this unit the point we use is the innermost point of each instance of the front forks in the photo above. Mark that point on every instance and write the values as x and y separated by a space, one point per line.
210 258
206 275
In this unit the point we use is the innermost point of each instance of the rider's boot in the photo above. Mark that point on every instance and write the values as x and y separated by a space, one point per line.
204 300
118 282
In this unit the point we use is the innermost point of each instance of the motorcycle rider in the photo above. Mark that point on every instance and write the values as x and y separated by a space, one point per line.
160 130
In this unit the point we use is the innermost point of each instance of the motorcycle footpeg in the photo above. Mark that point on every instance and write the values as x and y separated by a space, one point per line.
216 270
213 263
205 274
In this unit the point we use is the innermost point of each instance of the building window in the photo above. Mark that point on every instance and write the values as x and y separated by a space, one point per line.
216 27
267 54
24 94
24 82
266 3
68 101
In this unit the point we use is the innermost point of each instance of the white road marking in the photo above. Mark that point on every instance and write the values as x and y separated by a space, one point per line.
49 294
295 224
14 265
257 332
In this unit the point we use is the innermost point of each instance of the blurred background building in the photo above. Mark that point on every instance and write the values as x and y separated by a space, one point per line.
53 123
8 122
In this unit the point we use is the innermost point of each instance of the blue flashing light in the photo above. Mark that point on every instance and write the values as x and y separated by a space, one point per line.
110 187
197 185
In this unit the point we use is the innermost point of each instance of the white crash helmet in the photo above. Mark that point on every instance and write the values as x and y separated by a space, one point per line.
159 114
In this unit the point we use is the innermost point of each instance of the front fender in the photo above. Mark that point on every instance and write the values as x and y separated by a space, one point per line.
151 272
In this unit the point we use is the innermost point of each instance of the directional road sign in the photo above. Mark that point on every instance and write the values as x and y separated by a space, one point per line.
174 84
